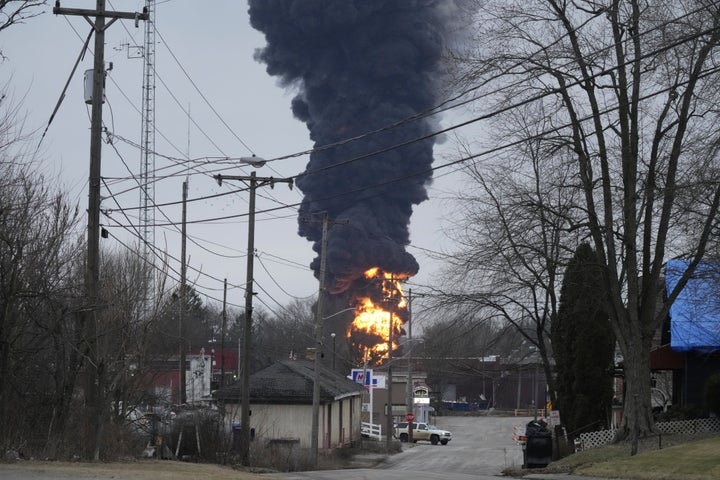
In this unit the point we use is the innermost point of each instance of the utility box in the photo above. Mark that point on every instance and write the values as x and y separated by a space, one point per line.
88 83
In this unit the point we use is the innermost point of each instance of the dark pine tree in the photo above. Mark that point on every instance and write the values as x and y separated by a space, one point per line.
583 347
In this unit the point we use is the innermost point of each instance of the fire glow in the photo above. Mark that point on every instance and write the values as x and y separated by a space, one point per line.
370 329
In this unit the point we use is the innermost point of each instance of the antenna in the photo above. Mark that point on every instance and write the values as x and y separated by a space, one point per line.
147 160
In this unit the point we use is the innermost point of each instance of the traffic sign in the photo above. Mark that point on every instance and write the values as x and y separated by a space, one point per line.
410 417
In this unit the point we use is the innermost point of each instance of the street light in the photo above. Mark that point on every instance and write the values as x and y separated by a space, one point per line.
253 161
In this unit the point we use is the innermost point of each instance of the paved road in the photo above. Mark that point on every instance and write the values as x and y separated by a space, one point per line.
481 448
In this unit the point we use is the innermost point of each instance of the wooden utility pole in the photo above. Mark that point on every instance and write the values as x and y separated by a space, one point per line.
319 327
409 402
314 434
255 182
409 394
95 381
183 292
389 422
222 335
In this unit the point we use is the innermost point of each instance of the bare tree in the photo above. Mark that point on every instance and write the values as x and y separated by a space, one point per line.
18 11
629 89
125 333
39 298
516 227
286 335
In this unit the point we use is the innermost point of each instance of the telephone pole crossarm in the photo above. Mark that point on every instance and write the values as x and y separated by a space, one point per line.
261 181
102 13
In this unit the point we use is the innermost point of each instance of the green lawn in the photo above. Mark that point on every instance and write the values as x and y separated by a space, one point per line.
694 460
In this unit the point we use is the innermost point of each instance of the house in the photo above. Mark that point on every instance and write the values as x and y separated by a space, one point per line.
162 379
689 349
281 405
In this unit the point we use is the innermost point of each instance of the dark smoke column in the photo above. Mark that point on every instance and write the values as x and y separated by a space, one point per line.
360 65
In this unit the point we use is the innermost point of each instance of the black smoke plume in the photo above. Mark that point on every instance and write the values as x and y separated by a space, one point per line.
360 66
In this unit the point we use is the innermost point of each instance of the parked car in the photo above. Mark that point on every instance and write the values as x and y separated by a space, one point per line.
422 431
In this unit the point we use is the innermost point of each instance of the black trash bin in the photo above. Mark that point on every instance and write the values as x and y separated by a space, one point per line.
237 436
538 445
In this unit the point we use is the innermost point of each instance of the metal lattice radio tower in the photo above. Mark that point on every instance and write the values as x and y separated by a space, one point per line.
147 160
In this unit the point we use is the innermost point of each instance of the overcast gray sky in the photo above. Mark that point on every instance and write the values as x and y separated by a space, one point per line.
204 62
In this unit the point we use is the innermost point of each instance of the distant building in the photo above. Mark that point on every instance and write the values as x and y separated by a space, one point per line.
281 401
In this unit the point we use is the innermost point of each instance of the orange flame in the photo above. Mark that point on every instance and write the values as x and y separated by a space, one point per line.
372 318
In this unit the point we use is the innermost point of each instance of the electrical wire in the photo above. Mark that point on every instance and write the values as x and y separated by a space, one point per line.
464 124
491 114
461 160
430 111
199 91
447 104
262 264
158 209
137 234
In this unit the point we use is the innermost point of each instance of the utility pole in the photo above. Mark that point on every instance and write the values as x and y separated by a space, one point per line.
319 321
409 395
318 344
222 335
95 383
255 182
183 287
389 422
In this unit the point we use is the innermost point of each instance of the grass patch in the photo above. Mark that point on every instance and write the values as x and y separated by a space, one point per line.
679 458
698 460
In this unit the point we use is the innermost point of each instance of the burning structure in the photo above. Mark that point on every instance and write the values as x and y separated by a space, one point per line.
366 73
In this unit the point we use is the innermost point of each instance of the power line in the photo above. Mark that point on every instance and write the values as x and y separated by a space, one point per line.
451 163
202 95
259 259
489 115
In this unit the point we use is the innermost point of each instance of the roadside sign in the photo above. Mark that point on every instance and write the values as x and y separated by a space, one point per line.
364 377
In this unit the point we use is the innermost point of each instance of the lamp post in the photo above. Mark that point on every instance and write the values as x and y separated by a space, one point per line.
254 183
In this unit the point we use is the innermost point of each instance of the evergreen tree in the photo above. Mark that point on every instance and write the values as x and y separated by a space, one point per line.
583 346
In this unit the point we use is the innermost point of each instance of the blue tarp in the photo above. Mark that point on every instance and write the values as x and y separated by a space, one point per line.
695 314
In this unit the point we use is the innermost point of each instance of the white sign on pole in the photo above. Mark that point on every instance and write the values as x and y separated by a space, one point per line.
365 377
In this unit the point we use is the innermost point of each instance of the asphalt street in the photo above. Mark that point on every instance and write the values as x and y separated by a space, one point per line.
480 449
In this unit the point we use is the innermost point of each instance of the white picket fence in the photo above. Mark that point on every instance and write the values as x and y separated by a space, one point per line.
686 427
371 430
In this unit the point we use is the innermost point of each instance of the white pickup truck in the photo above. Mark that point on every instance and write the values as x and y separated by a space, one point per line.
422 431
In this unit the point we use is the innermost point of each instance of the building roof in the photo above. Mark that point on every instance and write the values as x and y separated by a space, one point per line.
291 381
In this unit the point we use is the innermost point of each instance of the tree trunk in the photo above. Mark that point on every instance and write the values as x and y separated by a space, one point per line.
637 416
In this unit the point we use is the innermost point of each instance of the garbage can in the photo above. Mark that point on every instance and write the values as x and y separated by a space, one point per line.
538 445
237 436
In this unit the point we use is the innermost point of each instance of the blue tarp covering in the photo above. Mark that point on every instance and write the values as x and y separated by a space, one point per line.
695 314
